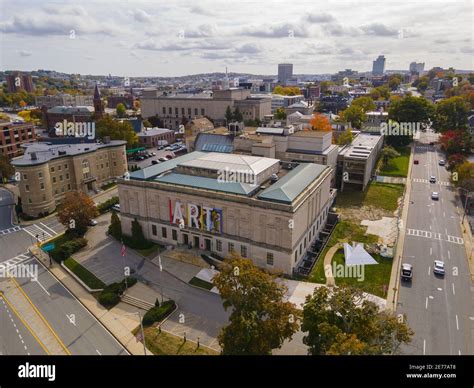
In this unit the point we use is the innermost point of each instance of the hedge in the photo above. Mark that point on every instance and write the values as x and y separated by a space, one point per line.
83 273
156 314
104 207
67 248
110 296
108 299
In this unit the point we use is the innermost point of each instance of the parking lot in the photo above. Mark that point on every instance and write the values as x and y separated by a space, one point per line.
148 161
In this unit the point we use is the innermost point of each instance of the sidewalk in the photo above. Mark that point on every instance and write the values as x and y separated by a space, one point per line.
468 245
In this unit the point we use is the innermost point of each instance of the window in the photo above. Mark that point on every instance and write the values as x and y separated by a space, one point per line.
163 232
170 110
164 110
153 230
42 186
67 176
40 175
56 191
174 234
85 169
296 256
59 168
182 111
54 179
189 111
69 186
195 111
243 250
115 164
230 247
219 245
269 258
25 177
176 111
27 188
305 243
61 178
202 112
52 169
29 200
66 166
301 246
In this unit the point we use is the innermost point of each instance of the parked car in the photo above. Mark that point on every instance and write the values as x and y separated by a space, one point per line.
435 195
160 147
92 222
441 162
416 161
153 153
407 272
432 179
155 162
438 268
162 159
116 208
169 157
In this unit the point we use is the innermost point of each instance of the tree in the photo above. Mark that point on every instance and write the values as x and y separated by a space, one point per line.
455 142
345 138
394 81
366 103
138 238
261 320
237 115
287 90
451 114
320 122
155 121
388 153
464 176
76 210
355 115
341 321
6 169
421 84
107 126
280 114
380 92
121 110
115 227
228 114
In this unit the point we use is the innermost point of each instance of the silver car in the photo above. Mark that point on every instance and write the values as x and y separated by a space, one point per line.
438 268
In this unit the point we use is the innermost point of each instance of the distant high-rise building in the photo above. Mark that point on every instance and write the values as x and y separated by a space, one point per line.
285 72
378 66
17 81
417 67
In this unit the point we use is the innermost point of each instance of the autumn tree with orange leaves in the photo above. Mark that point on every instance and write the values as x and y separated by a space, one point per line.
319 122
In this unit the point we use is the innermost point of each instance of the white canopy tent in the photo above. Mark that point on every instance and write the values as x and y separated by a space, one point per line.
357 255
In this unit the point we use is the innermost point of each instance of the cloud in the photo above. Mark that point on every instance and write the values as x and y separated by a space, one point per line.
202 31
249 48
337 29
182 45
142 16
379 29
441 41
319 18
281 30
197 9
57 9
467 50
24 53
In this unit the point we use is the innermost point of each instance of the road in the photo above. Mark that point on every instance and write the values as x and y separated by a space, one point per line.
6 210
439 309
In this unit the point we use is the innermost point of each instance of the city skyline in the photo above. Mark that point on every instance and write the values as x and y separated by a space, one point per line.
159 39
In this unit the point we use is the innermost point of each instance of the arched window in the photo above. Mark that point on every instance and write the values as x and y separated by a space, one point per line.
86 169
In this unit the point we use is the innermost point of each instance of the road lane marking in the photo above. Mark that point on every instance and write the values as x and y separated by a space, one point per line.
457 322
435 236
99 353
424 347
431 251
68 352
440 289
454 292
47 227
449 255
426 303
4 298
459 352
429 270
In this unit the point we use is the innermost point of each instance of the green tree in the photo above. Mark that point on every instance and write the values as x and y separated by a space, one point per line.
121 110
341 321
280 114
261 319
237 115
345 138
388 153
394 81
107 126
76 210
355 115
366 103
6 169
463 176
228 114
115 227
138 238
451 114
380 92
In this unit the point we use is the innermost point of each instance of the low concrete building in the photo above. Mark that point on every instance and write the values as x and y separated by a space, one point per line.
64 100
153 137
197 201
48 171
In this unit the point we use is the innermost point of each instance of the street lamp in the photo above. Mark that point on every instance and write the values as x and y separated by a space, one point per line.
141 327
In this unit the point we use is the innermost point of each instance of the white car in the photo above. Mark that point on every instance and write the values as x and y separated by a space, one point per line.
435 195
116 208
432 179
442 162
93 222
439 267
407 272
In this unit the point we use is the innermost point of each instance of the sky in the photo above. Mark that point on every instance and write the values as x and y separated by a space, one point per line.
132 38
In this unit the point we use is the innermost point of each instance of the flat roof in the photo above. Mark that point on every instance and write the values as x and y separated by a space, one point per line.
154 132
361 146
47 151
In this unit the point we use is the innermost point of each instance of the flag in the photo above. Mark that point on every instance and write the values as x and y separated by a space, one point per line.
159 263
122 251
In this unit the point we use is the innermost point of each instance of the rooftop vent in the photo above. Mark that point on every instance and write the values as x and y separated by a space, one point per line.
61 152
33 156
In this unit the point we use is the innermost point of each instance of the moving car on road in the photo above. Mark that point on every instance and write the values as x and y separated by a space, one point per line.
432 179
439 267
441 162
407 272
416 161
435 195
92 222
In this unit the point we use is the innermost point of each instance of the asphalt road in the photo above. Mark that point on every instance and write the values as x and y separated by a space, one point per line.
439 309
6 207
81 333
15 337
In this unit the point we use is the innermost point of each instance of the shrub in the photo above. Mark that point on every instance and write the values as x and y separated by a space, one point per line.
115 227
115 289
156 314
67 248
108 299
104 207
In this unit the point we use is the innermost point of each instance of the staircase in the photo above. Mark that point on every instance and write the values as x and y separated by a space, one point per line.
139 303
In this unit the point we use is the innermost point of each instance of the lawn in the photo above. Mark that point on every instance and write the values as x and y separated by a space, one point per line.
108 186
381 195
150 251
397 166
344 231
167 344
82 273
374 276
201 283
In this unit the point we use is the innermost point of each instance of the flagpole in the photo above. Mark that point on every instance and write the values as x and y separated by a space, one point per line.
161 278
123 261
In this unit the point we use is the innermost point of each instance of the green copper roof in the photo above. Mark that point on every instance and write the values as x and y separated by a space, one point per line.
293 183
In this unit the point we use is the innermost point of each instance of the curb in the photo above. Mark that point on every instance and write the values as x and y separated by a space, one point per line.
90 290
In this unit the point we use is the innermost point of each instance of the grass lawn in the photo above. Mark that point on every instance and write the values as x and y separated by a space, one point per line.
381 195
108 186
168 344
375 276
82 273
151 251
201 283
397 166
344 231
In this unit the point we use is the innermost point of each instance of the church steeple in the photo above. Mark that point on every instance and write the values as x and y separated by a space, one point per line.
98 104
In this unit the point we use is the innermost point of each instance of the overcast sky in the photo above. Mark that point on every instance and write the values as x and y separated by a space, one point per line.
165 38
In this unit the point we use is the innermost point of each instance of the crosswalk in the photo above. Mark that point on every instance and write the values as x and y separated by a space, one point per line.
5 265
424 148
40 231
435 236
419 180
10 230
